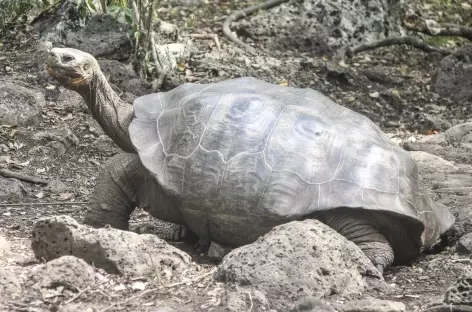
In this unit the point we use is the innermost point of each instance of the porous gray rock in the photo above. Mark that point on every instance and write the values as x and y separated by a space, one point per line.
372 305
11 189
299 259
218 251
464 245
311 305
430 162
20 105
453 77
68 271
319 26
116 251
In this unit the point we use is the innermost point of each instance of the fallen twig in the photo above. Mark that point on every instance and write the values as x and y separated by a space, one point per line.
433 28
208 36
20 176
243 13
77 296
193 280
411 41
44 204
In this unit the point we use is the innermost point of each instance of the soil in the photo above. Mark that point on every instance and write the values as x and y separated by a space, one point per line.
390 85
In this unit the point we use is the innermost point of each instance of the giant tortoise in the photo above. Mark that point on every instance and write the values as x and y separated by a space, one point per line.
231 160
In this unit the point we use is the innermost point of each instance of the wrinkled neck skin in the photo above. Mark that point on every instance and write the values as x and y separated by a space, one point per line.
113 115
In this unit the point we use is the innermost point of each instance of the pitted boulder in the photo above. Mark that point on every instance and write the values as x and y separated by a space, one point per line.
20 105
11 189
320 26
116 251
300 259
68 271
428 163
454 75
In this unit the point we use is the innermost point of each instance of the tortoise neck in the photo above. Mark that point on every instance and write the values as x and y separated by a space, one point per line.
113 115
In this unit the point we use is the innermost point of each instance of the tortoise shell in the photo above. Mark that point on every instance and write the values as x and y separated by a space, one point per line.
243 155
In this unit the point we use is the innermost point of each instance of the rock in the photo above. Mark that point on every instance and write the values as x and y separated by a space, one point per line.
218 251
460 293
111 45
68 271
116 251
428 162
11 189
461 133
116 72
9 285
19 105
71 102
4 247
322 26
373 305
170 55
137 86
320 260
311 305
425 123
242 300
464 245
453 77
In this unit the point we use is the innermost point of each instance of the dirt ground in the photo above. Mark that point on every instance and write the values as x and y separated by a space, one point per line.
400 113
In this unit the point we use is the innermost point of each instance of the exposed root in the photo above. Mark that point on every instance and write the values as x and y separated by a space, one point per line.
433 28
411 41
243 13
23 177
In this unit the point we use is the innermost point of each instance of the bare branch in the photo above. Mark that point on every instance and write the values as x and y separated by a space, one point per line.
23 177
243 13
411 41
433 28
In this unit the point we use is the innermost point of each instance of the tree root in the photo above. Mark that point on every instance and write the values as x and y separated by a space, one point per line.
449 308
409 40
20 176
433 28
243 13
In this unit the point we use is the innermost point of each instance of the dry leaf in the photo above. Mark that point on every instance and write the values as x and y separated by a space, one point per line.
40 170
39 195
374 94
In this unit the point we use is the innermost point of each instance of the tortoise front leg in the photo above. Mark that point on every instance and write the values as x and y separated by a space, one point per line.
124 184
114 196
358 226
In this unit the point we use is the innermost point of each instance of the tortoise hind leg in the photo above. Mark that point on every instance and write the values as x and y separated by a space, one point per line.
358 226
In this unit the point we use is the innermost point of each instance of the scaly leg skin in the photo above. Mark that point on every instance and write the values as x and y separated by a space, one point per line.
115 194
357 225
124 184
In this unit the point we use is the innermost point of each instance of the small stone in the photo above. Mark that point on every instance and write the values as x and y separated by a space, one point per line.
20 105
11 189
67 271
464 246
373 305
218 251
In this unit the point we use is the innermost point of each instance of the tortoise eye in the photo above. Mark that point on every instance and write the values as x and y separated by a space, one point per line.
67 58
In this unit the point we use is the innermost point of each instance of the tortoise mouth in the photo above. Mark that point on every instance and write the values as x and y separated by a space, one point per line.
66 76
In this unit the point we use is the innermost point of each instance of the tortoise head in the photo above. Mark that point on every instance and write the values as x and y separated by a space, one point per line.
73 68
